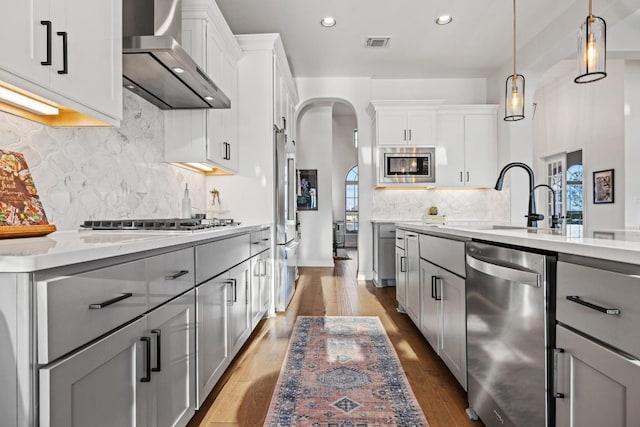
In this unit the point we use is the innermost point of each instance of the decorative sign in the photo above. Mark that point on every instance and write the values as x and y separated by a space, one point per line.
21 212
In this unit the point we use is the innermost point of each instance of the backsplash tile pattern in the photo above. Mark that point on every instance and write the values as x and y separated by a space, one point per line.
103 173
481 205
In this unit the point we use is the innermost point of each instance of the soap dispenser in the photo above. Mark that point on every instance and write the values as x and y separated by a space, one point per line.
186 203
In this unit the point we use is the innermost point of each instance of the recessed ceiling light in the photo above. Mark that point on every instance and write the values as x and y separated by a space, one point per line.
130 87
328 21
444 19
208 98
178 70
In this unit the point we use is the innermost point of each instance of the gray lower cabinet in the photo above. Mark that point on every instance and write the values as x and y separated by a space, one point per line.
140 375
412 254
600 387
431 307
384 236
401 278
213 346
442 319
260 286
239 320
100 385
173 343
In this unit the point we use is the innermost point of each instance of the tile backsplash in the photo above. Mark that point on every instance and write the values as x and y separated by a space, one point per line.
464 205
103 173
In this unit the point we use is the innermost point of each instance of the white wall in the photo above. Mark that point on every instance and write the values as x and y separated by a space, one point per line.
571 116
357 93
632 147
452 91
345 156
313 151
103 173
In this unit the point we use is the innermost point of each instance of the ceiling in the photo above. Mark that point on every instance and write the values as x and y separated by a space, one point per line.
477 42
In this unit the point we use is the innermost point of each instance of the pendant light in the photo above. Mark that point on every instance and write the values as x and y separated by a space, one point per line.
592 49
514 86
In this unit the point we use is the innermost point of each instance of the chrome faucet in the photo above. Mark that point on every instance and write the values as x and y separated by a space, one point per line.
532 216
556 219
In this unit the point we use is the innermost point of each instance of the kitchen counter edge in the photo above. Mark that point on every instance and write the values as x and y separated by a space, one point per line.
25 255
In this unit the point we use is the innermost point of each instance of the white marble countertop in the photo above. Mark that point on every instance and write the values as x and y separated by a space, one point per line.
613 245
70 247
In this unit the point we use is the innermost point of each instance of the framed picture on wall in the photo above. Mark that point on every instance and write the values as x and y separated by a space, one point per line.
307 190
603 186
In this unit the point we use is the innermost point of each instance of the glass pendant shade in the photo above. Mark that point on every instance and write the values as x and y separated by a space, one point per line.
514 98
592 50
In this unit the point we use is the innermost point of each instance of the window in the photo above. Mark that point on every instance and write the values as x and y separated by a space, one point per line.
555 180
351 200
574 194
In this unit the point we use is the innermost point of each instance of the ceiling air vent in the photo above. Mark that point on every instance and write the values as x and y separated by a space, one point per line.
377 42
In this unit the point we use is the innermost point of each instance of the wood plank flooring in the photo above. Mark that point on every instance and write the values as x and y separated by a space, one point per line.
242 396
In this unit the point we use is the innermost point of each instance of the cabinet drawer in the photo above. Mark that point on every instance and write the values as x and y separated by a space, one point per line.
387 231
169 275
604 288
400 238
73 310
445 253
217 257
260 241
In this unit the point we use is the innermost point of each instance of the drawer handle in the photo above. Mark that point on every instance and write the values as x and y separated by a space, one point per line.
578 300
111 301
158 367
147 374
175 276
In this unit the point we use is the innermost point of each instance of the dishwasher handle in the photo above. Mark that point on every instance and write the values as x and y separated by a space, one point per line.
511 272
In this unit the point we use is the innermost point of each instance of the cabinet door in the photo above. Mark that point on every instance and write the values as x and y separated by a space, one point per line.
453 339
24 39
481 152
600 387
266 283
100 385
211 332
413 277
450 150
421 127
229 83
172 394
257 277
94 53
239 321
431 303
391 128
386 264
401 278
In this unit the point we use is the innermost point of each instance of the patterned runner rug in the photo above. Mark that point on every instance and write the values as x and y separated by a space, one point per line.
342 372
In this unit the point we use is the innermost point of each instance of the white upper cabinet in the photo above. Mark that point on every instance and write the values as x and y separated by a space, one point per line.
208 137
466 148
68 52
407 122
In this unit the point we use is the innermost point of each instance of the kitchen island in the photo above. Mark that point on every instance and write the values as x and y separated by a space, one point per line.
100 327
511 302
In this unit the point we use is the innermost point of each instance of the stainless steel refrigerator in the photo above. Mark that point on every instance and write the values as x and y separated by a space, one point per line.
286 245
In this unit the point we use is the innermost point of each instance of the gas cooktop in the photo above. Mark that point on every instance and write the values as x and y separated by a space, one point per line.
172 224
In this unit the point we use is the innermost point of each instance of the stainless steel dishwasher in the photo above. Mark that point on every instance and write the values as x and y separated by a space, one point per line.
510 335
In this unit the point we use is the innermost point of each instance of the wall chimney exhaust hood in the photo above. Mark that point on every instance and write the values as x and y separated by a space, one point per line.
155 66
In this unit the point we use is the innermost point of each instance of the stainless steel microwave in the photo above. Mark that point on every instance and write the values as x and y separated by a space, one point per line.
407 165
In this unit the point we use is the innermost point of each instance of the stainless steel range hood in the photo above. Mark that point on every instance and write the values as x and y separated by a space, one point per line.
155 66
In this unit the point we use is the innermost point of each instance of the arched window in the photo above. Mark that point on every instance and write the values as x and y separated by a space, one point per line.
351 200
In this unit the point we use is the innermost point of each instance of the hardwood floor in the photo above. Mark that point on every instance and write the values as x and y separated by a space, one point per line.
242 396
